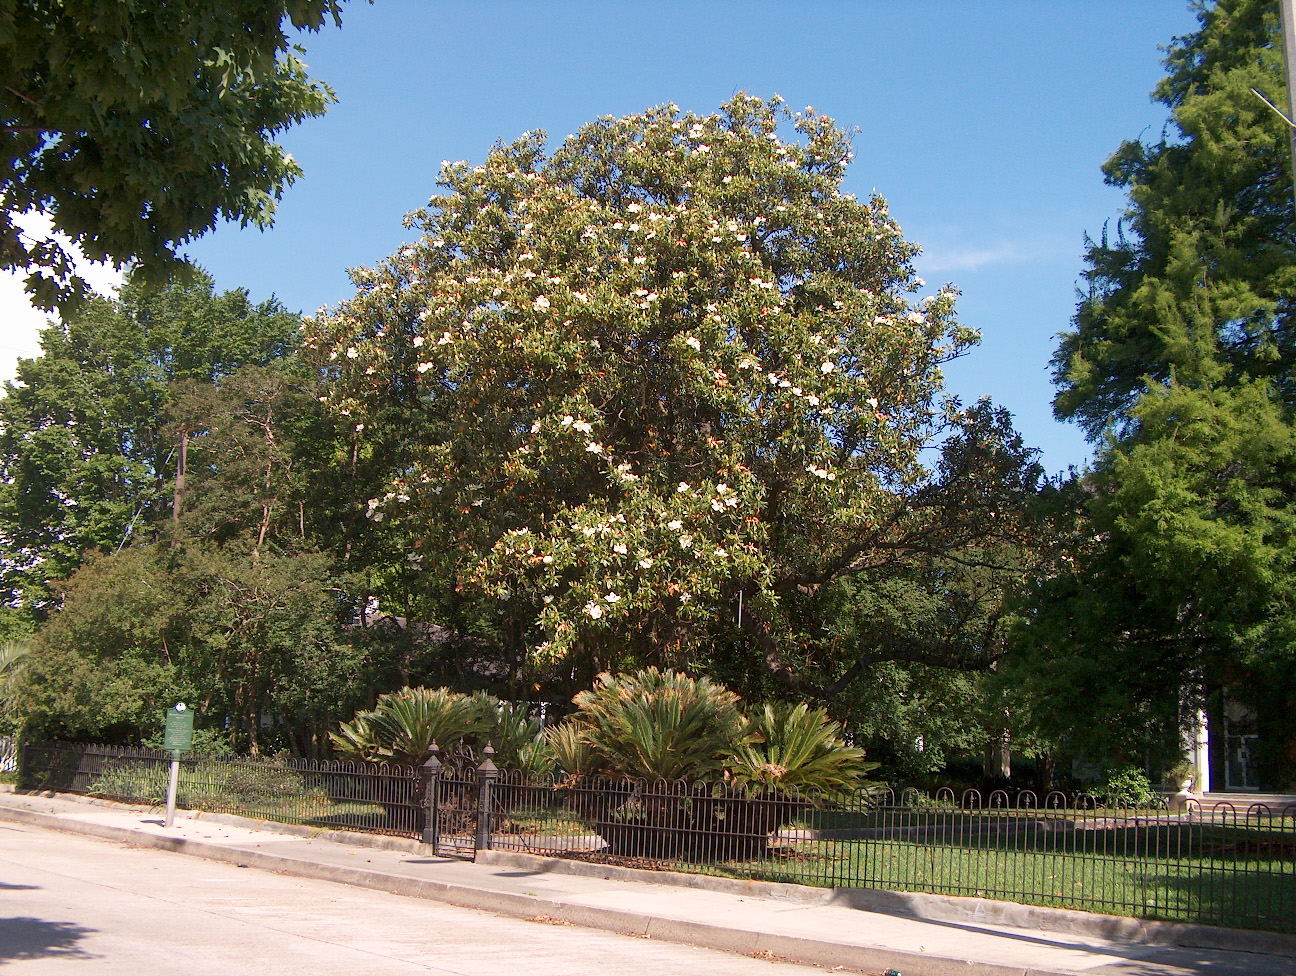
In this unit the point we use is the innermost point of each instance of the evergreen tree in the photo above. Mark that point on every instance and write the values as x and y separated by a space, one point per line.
1180 369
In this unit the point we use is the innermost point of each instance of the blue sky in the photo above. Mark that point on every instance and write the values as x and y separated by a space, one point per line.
984 123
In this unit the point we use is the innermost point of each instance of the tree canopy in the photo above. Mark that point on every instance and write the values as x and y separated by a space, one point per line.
137 126
87 459
1179 366
661 386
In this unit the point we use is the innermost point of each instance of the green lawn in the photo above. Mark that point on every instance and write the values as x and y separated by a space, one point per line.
1257 893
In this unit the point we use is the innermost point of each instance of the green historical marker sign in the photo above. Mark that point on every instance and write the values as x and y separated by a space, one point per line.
179 730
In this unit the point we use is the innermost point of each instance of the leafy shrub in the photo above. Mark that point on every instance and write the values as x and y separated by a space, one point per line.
515 735
202 785
1128 787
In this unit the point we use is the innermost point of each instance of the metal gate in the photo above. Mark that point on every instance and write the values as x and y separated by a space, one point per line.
453 813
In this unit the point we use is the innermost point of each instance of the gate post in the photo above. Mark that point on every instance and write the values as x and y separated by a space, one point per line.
430 774
486 775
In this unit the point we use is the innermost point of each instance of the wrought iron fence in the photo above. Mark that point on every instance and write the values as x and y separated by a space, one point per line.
1220 865
372 797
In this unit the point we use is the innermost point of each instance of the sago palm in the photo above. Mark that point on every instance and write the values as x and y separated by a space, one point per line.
797 748
403 724
659 725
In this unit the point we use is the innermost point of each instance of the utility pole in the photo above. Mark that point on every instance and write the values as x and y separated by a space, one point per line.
1288 8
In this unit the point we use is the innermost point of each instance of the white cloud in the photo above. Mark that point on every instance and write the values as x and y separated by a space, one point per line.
20 322
937 259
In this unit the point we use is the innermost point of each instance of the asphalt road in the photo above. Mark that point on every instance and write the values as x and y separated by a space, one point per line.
73 905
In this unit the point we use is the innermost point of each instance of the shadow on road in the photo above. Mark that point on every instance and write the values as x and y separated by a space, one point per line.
35 938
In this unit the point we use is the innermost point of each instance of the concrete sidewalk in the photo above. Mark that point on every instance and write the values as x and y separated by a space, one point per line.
861 931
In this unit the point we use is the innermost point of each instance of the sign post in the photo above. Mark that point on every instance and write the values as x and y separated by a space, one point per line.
177 739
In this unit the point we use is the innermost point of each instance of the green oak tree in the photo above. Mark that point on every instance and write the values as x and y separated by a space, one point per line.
232 599
136 126
1179 366
661 386
86 460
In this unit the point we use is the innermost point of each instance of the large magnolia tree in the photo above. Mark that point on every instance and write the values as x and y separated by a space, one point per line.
662 386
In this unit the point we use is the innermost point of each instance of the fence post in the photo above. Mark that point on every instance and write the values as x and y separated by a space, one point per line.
430 774
486 775
24 780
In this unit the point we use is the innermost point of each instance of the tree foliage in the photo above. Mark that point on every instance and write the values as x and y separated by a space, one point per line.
137 126
165 510
87 462
1179 366
669 371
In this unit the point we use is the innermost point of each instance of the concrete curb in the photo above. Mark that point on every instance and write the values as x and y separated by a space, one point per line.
943 908
832 955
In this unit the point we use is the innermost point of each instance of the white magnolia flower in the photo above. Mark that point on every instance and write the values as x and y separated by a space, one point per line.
594 610
812 400
568 420
872 402
827 368
612 597
619 548
418 341
645 563
685 541
351 352
546 559
692 343
683 486
674 525
540 303
581 426
594 447
580 296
